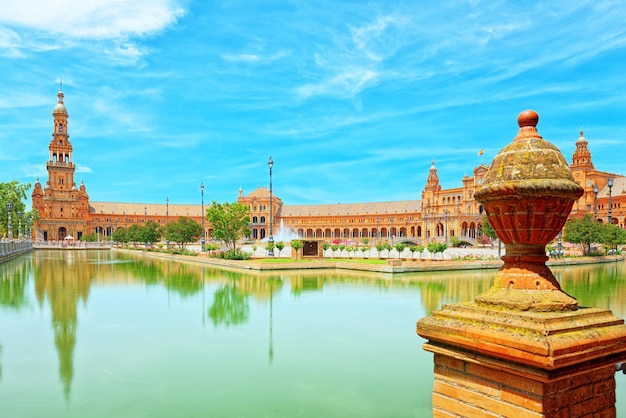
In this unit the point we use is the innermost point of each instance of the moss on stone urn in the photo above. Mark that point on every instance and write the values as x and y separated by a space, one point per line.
528 194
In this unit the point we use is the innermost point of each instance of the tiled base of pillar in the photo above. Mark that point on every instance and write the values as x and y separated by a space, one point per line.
465 388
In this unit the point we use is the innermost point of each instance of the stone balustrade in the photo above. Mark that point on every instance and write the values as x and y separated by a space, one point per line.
75 245
13 248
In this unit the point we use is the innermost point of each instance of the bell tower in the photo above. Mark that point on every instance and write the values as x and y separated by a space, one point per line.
60 165
62 206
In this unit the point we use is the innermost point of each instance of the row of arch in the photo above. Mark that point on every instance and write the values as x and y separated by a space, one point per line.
468 229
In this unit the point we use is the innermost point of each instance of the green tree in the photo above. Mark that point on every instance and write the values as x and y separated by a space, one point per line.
230 222
150 232
436 247
613 235
584 231
399 248
270 246
279 246
420 250
183 231
388 247
133 233
15 193
120 235
455 241
93 237
296 244
487 229
380 248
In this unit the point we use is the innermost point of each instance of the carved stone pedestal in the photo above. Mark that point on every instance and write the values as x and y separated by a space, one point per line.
491 363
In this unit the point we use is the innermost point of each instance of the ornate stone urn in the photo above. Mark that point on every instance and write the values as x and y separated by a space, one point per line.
527 194
524 347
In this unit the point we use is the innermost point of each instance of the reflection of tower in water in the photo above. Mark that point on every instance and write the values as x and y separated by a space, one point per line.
63 283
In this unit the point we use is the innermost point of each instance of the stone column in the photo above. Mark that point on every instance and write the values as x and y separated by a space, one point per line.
525 348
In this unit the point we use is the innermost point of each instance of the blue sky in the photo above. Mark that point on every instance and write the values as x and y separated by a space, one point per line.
352 99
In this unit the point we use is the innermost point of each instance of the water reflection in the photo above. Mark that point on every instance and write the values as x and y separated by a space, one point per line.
598 285
64 279
68 281
13 278
230 306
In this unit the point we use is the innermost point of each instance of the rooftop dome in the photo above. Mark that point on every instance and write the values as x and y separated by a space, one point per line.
60 106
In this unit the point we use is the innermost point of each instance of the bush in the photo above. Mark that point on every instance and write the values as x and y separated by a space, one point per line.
235 254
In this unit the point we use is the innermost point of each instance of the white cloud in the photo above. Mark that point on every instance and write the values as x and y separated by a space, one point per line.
346 84
254 58
93 19
83 169
241 57
9 43
125 53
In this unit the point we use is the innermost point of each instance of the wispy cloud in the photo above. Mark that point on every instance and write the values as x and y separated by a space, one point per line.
35 25
91 19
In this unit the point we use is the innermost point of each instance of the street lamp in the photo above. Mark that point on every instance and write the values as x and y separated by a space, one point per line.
270 240
202 239
27 224
447 213
595 201
167 217
9 209
19 224
610 184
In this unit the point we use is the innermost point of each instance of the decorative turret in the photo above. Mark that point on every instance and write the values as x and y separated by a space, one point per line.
582 156
433 178
37 196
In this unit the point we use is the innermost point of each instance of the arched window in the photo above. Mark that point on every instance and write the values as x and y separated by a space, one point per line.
60 128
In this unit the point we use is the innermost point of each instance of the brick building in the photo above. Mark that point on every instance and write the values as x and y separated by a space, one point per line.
65 209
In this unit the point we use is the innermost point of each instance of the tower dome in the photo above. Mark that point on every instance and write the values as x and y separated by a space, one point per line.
60 106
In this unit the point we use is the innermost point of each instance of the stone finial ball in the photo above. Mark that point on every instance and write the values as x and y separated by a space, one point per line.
528 118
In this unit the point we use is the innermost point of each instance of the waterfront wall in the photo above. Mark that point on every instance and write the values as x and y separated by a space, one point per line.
71 245
12 248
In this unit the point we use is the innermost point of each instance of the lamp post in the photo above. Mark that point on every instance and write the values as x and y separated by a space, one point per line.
610 184
10 225
202 239
391 229
446 212
595 201
27 234
270 240
167 217
19 224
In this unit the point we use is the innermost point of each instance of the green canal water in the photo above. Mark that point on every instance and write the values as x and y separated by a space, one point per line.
99 334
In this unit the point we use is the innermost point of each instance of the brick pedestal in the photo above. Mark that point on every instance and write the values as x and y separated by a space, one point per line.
523 364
